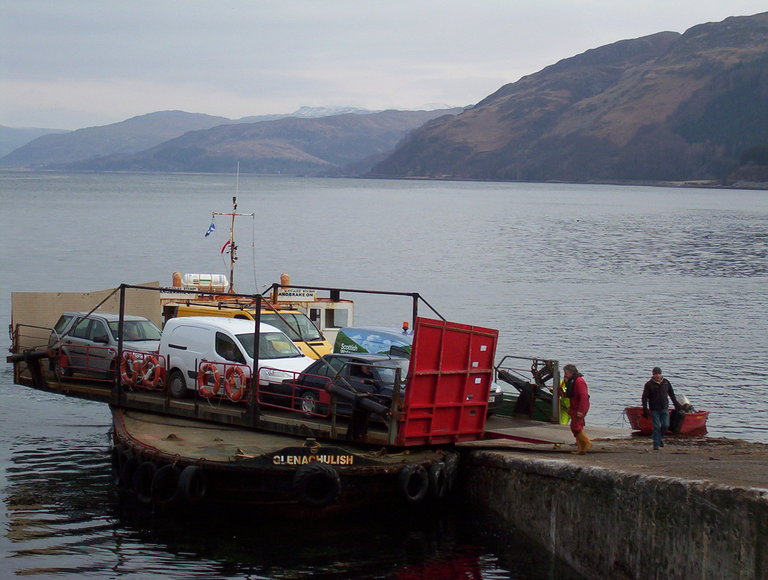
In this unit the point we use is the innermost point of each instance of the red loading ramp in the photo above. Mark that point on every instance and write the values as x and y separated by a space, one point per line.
450 377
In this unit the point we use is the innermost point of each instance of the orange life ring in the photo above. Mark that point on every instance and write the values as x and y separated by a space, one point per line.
208 370
151 372
129 368
235 382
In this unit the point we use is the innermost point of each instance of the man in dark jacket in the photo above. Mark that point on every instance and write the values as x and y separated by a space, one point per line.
656 395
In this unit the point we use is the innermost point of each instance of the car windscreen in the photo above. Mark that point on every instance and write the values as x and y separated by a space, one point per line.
296 325
136 330
271 345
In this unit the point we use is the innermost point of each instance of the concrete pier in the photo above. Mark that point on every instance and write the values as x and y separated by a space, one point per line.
697 509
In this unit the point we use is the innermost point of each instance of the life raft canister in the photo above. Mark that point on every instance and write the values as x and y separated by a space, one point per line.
316 484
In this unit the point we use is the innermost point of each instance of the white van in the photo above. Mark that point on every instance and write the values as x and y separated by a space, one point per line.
211 353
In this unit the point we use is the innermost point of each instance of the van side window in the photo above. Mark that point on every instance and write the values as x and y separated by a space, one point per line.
226 348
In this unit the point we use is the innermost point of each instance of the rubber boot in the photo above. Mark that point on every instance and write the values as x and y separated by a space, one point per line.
579 446
584 443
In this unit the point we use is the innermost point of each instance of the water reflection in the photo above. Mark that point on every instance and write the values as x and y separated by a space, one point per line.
66 518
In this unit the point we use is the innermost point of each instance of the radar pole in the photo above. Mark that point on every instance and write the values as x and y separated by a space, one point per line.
232 247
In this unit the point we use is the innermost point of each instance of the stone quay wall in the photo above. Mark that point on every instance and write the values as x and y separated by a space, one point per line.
608 523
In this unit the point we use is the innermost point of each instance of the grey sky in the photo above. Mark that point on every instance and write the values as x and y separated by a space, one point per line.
75 63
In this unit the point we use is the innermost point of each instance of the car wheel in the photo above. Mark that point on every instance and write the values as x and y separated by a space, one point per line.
177 385
308 403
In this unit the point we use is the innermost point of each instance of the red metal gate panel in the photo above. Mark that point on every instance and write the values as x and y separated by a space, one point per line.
449 381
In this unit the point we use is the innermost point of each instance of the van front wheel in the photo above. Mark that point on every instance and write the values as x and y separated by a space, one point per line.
177 385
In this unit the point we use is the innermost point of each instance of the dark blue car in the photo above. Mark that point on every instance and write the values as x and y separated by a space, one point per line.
371 376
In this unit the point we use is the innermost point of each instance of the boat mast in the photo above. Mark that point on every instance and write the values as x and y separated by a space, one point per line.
231 243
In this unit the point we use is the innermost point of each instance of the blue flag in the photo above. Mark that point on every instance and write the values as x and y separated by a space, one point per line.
210 229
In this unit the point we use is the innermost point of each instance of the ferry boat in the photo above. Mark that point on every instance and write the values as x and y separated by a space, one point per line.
233 442
214 447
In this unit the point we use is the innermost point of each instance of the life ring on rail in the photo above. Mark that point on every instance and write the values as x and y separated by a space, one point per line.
142 481
151 372
165 485
193 484
316 484
438 479
129 368
413 482
208 372
235 383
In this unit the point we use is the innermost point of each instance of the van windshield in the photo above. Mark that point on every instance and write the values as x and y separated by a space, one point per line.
271 345
295 324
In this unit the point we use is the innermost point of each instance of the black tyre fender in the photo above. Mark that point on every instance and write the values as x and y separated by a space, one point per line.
142 481
316 484
114 455
165 485
413 481
128 466
438 479
116 459
193 484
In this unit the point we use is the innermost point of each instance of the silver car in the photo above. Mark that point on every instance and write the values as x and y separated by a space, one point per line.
87 343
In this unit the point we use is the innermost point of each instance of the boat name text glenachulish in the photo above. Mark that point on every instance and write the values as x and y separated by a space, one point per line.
304 459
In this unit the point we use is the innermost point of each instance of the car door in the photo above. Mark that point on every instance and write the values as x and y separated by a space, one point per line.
74 345
87 347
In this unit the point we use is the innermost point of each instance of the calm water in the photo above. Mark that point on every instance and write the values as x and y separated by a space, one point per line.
614 279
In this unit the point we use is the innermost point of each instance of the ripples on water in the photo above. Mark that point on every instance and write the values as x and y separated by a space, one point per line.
615 280
63 518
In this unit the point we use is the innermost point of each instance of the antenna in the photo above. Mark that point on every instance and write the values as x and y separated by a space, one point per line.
231 242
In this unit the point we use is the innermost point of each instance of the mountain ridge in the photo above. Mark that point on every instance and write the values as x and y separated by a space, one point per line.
667 106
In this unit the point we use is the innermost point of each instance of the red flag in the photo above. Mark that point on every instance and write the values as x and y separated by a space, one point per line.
224 247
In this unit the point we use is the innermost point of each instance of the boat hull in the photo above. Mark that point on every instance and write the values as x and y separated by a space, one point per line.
167 461
693 423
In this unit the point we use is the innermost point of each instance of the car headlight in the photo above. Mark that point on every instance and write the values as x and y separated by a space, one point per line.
276 375
496 388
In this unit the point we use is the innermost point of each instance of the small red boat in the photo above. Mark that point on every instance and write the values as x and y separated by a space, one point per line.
687 423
